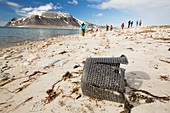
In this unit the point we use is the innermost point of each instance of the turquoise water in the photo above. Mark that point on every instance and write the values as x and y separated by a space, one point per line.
12 35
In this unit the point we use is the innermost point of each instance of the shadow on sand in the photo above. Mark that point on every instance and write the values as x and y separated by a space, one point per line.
135 78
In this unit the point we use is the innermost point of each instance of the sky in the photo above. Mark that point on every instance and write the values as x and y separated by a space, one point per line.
100 12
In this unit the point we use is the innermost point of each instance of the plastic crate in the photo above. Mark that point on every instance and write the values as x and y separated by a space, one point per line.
103 78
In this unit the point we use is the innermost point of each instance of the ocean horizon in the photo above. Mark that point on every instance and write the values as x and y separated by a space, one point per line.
10 36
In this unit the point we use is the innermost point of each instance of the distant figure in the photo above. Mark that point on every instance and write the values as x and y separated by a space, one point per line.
83 28
129 22
122 26
91 28
107 27
97 30
140 22
111 27
136 23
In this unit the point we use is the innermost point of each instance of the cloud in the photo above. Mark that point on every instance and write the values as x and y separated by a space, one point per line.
13 4
99 14
28 11
74 2
130 4
154 11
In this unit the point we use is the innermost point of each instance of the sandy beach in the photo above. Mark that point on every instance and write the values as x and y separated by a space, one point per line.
30 71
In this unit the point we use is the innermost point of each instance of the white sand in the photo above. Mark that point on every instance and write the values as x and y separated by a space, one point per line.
145 48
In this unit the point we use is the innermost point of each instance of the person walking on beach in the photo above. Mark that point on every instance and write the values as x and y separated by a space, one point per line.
129 22
83 28
107 27
122 26
140 22
111 27
136 23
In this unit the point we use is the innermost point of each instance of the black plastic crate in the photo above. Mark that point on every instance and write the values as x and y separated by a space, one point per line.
103 78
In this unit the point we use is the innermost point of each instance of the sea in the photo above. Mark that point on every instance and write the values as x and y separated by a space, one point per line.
10 36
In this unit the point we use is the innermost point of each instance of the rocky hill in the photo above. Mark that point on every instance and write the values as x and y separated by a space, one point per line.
56 19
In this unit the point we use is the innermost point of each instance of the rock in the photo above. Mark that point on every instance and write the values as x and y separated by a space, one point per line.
76 66
43 44
63 52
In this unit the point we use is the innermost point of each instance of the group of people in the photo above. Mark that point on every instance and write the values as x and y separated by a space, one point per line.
107 27
130 24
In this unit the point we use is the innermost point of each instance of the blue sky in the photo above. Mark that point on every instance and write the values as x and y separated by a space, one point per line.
101 12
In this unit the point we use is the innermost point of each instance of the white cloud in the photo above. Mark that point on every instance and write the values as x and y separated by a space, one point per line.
13 4
37 10
74 2
99 14
153 11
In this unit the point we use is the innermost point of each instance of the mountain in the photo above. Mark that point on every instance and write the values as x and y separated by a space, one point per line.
47 19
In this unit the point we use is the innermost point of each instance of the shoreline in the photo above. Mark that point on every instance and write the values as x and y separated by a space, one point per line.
25 42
